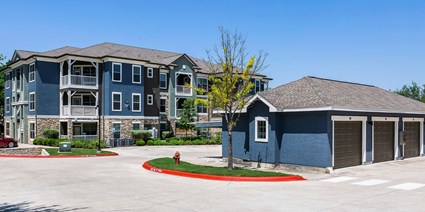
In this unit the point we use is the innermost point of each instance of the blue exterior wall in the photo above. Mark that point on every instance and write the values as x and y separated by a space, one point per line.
304 139
47 77
126 87
32 86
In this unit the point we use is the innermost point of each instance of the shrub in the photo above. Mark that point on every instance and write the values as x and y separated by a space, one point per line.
50 133
150 142
216 140
140 143
141 134
167 134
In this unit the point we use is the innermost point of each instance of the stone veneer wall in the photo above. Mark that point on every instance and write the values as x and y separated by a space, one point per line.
126 126
43 123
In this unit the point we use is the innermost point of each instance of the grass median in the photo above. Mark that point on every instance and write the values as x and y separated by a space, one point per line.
75 151
168 163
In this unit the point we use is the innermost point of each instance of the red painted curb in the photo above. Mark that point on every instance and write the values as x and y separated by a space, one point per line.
222 178
58 156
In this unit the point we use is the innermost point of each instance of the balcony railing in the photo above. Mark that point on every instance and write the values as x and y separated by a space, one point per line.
79 110
79 80
182 89
85 137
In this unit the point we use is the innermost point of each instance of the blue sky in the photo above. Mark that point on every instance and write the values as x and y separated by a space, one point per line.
378 42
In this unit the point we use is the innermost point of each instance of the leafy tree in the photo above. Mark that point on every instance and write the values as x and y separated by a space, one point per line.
413 91
230 83
2 66
187 115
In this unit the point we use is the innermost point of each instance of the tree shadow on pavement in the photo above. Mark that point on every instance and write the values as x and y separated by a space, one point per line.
26 206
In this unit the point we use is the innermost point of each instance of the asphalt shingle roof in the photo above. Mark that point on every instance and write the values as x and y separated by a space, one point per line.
312 92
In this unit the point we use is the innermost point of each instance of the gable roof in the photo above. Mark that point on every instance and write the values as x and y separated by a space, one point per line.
122 51
312 93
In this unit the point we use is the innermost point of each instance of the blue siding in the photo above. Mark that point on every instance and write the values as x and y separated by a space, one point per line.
47 76
126 87
305 139
32 86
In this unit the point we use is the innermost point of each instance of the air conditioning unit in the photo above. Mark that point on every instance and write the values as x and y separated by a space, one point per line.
65 147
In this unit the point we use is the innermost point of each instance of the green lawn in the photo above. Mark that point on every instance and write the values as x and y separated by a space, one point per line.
75 151
168 163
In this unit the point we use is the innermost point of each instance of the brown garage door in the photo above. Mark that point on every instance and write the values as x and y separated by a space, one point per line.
348 143
411 130
383 139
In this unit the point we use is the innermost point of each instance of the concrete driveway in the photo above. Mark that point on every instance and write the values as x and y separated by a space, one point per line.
121 184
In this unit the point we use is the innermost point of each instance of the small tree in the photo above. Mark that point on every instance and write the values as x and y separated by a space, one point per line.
230 83
187 115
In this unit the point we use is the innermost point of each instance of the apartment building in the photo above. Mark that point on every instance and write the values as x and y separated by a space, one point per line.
106 87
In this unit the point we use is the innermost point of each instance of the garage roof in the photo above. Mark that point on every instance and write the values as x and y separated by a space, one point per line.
313 93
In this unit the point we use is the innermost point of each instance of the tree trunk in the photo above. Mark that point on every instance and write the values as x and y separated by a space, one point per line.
229 149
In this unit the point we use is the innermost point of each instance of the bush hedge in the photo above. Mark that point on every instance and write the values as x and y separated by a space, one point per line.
140 143
50 133
74 143
141 134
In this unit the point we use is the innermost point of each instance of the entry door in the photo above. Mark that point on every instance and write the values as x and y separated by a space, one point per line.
347 143
77 130
411 130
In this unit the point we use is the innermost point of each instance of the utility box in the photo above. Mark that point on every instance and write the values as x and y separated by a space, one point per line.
65 147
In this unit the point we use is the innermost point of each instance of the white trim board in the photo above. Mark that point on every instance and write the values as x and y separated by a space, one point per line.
363 119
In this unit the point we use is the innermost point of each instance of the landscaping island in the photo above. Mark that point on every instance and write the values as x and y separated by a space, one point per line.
167 166
77 152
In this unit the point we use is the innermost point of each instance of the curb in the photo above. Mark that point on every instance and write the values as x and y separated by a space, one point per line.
221 178
58 156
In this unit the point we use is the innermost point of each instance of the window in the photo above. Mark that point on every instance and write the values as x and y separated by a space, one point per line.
136 125
163 126
89 128
32 72
116 72
12 77
163 80
137 74
150 73
8 128
162 105
18 79
257 85
136 102
32 130
203 83
201 108
7 83
7 106
150 99
261 129
32 101
116 101
116 129
89 100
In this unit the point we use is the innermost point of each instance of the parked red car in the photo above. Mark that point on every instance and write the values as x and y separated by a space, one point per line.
8 142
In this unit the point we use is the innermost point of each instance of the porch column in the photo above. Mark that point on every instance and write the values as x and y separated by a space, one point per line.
61 101
69 103
61 74
97 79
69 74
97 103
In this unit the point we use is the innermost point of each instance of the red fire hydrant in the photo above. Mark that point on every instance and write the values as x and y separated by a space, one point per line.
176 157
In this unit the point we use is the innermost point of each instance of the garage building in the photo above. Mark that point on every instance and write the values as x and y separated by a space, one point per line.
327 123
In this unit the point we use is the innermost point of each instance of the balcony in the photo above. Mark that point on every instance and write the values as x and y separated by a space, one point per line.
183 90
79 110
79 81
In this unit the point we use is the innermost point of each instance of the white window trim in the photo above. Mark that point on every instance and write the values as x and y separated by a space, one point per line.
363 119
35 131
112 100
147 99
387 119
259 118
7 86
166 83
140 75
29 101
113 80
132 102
207 84
150 72
29 72
165 105
7 105
7 128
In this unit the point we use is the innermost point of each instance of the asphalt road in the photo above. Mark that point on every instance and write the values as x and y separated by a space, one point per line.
121 184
